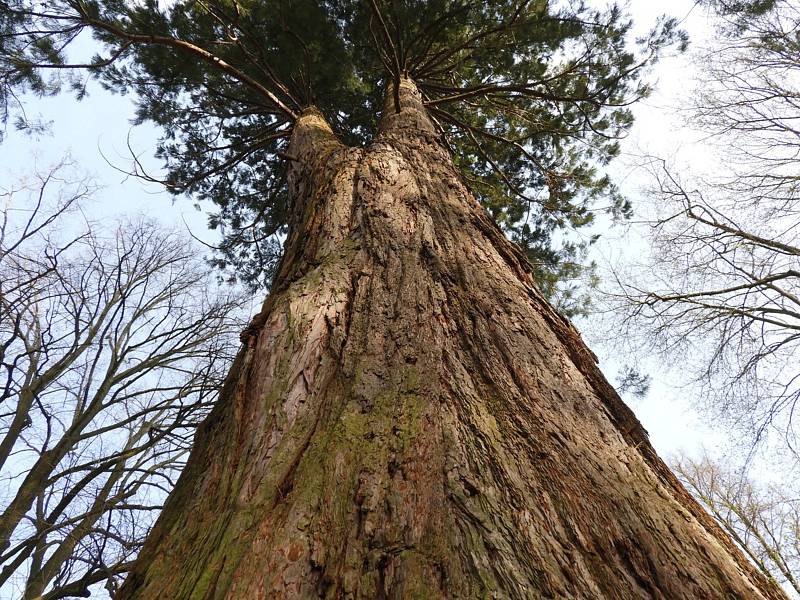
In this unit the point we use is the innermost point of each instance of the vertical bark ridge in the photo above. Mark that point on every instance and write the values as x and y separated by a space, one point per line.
410 419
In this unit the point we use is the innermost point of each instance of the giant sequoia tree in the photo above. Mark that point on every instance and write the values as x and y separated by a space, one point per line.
408 416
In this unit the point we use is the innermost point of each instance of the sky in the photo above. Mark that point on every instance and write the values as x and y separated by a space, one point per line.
667 411
97 132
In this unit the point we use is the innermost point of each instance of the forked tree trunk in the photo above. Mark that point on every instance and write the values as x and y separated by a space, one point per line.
410 419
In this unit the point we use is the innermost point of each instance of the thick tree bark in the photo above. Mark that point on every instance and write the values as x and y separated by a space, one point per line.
410 419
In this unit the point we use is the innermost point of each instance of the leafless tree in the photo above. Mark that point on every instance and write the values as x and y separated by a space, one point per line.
763 519
724 283
113 344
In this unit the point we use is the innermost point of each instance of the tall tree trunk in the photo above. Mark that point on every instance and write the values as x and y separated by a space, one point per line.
410 419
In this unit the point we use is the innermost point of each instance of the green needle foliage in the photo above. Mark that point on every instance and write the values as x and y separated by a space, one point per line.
531 96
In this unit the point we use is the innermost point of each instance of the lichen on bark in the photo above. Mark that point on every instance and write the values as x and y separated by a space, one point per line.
409 418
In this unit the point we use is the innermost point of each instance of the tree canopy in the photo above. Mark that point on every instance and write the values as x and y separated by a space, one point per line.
531 97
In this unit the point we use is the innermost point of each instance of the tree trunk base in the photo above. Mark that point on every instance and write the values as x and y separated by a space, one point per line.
410 419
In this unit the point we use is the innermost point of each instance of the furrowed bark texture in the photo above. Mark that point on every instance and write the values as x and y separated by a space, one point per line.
410 419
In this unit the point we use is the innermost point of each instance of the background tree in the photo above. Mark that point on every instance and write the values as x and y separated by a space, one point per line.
724 281
764 519
408 417
112 349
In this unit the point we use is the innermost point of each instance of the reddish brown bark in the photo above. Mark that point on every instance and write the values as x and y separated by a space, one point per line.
410 419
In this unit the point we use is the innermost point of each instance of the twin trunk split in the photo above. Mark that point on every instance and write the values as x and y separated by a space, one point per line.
410 419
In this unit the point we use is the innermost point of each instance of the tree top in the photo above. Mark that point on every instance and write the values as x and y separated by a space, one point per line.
531 96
